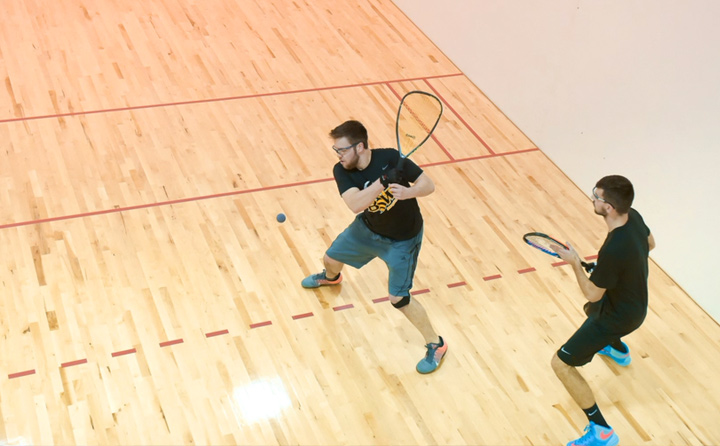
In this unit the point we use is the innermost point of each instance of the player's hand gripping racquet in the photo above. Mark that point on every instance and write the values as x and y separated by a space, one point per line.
544 243
418 115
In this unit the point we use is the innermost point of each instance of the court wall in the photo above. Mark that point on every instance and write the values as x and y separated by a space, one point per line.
608 87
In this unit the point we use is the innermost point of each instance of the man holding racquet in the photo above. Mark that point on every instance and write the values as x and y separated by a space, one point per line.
617 297
388 225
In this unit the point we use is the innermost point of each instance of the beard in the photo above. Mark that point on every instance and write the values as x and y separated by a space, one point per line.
602 212
350 164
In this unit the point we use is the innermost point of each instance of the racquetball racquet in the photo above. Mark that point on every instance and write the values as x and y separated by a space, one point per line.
543 242
418 115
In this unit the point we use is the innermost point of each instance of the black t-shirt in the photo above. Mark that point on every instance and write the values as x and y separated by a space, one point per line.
391 218
622 269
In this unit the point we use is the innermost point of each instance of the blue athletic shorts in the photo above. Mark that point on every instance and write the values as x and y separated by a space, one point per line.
357 245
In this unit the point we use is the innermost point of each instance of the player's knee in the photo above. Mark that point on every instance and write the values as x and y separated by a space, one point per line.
401 302
327 260
557 364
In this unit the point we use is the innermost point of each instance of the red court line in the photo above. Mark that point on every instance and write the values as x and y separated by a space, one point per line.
229 98
160 203
216 333
19 374
260 324
593 257
124 352
72 363
228 194
460 118
475 158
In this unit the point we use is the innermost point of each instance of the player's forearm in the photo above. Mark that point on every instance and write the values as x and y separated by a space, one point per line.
364 198
590 291
423 187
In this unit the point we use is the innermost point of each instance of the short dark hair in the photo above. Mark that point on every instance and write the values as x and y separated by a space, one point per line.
618 191
354 131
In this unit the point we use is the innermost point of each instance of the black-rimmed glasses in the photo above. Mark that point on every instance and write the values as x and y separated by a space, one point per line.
341 150
597 197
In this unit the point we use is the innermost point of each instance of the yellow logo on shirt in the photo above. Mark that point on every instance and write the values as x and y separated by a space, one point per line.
384 202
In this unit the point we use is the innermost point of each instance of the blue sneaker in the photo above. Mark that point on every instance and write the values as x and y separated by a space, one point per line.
622 359
433 357
318 280
596 436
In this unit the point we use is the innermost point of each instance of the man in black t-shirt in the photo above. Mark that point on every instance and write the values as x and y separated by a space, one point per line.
617 297
388 225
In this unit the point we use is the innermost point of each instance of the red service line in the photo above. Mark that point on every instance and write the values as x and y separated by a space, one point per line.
161 203
216 333
226 194
72 363
224 99
260 324
343 307
124 352
266 323
19 374
248 191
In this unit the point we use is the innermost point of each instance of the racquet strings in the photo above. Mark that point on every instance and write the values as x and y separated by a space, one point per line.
418 115
543 243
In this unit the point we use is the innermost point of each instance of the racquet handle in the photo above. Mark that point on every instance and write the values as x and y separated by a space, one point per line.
589 267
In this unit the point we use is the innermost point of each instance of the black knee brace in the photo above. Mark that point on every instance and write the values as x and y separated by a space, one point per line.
402 302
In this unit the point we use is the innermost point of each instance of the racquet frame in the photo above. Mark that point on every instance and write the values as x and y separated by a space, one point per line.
530 238
402 108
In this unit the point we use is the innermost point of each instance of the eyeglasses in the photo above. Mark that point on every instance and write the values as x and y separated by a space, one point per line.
595 195
341 150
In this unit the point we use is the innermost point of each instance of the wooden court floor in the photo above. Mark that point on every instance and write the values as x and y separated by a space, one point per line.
150 297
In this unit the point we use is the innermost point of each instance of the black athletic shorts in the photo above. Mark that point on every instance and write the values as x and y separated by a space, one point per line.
592 336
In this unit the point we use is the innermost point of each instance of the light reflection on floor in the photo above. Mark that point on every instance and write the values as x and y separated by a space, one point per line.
15 441
260 400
